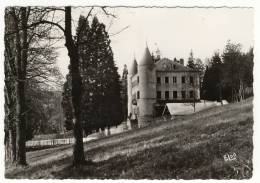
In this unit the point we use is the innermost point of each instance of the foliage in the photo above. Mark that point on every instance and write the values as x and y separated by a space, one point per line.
212 79
41 74
100 104
191 63
229 76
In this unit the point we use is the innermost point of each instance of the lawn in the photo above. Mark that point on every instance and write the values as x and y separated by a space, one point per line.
187 147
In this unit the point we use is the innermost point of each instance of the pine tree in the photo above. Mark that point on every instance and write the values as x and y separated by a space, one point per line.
216 67
205 84
100 105
212 82
233 69
106 90
191 63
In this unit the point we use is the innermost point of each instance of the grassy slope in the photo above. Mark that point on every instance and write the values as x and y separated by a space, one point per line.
188 147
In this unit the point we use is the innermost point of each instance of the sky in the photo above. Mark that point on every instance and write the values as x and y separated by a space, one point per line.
174 31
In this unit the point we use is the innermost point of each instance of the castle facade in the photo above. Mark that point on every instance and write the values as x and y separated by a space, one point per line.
152 83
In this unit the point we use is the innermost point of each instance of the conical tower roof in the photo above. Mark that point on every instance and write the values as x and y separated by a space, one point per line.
133 69
147 58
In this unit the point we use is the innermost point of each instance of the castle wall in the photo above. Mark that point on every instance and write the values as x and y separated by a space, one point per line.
178 86
129 94
147 89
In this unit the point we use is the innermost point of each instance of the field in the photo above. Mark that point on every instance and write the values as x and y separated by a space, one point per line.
187 147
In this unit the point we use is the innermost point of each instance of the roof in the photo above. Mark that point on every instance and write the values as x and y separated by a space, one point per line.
133 68
166 64
147 58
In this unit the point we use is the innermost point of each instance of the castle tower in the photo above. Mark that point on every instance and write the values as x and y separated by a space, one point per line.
132 72
123 93
147 88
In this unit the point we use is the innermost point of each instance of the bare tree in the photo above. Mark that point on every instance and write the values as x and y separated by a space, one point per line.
21 47
20 67
23 60
192 88
76 88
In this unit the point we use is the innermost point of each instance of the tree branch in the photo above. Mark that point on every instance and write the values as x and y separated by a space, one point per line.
47 22
89 13
107 13
113 34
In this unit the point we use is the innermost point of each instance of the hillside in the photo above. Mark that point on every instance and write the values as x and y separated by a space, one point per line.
188 147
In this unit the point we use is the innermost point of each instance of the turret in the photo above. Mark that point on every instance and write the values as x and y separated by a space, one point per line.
132 72
133 69
147 88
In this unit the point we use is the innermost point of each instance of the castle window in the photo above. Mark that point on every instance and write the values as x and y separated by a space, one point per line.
158 80
174 94
183 94
191 94
191 80
166 94
174 80
166 80
138 95
158 95
183 79
137 79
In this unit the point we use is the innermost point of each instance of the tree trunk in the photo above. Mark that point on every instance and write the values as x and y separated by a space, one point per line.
10 146
20 62
78 151
240 90
220 94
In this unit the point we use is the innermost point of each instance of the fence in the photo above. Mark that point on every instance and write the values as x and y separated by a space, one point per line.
54 142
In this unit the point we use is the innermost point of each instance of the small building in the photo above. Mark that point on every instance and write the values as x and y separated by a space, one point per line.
153 82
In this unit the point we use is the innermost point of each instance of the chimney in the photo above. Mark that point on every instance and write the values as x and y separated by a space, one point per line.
182 61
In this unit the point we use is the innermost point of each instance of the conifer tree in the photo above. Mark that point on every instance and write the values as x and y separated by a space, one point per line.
191 63
101 105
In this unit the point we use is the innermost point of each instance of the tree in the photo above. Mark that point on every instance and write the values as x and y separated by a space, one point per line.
191 63
101 105
234 70
192 87
66 104
19 24
199 66
107 78
212 82
76 89
230 77
216 67
248 77
76 80
26 60
21 47
205 84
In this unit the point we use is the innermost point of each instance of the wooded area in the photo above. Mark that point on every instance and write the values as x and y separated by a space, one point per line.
30 72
